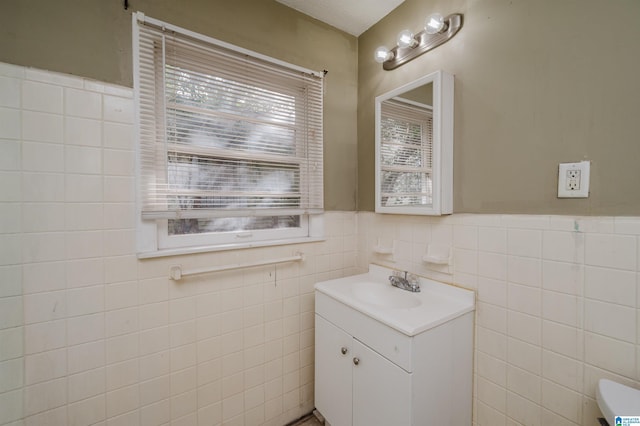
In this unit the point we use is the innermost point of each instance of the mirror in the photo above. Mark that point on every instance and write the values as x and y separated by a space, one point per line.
414 147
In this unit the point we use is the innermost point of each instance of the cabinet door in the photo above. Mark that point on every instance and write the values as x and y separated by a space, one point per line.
381 390
333 372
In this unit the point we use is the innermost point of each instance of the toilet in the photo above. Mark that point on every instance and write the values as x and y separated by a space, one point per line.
616 400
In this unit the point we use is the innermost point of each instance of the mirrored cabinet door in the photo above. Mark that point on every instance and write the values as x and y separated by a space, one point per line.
414 147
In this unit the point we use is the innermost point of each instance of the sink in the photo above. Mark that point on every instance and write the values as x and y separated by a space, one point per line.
410 313
387 296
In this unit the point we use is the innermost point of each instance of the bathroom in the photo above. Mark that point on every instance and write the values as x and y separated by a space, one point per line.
92 334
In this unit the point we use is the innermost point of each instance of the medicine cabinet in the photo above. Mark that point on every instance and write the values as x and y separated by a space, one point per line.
414 147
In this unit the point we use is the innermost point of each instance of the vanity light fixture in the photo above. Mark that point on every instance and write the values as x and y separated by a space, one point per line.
437 30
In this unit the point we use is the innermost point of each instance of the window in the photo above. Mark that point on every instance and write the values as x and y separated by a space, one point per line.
230 142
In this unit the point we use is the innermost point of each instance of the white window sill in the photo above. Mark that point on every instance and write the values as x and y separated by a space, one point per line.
224 247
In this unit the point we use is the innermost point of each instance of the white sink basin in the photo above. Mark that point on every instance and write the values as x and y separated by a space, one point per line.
384 296
405 311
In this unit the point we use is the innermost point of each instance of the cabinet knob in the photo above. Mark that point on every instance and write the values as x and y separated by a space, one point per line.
343 350
356 361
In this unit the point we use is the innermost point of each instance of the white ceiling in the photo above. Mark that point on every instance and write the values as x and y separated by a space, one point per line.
351 16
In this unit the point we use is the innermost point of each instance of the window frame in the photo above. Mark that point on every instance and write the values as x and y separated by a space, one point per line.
153 238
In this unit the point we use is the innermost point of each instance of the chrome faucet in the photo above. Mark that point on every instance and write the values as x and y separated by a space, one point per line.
409 283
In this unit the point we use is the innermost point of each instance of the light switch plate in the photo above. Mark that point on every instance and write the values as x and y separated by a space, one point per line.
573 180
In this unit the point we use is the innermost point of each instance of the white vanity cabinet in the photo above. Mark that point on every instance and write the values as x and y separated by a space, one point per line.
375 369
364 388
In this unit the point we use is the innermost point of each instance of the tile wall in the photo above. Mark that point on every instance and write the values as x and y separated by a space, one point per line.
89 334
557 305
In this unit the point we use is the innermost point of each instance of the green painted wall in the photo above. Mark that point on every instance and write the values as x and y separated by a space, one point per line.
92 38
537 83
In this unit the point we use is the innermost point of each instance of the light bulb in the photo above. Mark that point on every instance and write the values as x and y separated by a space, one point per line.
434 24
405 39
382 54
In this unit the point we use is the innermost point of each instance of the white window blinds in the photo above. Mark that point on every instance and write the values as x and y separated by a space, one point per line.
224 133
406 155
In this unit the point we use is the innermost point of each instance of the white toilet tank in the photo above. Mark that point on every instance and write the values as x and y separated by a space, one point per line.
616 400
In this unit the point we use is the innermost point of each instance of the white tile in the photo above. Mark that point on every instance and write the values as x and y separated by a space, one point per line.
524 242
465 261
85 300
83 244
83 216
40 307
10 155
85 272
465 237
524 355
10 70
119 189
122 374
156 414
524 383
563 246
154 315
58 79
12 343
42 247
562 401
562 339
563 277
42 187
524 327
11 247
562 370
122 348
56 416
86 356
10 90
525 299
41 97
155 365
493 240
612 251
82 103
121 295
88 411
492 291
522 410
119 242
10 123
627 225
121 91
563 308
524 270
43 217
86 384
12 281
83 188
492 317
45 366
610 354
87 328
610 285
155 340
492 265
45 396
82 132
11 214
123 400
124 268
117 109
492 343
44 336
607 319
12 373
42 127
82 159
11 404
119 162
118 136
122 321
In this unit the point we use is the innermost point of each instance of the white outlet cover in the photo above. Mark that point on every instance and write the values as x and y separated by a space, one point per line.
581 184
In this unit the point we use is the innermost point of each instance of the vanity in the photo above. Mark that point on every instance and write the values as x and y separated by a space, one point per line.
387 356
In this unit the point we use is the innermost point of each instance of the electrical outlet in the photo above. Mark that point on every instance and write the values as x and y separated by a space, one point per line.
573 180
